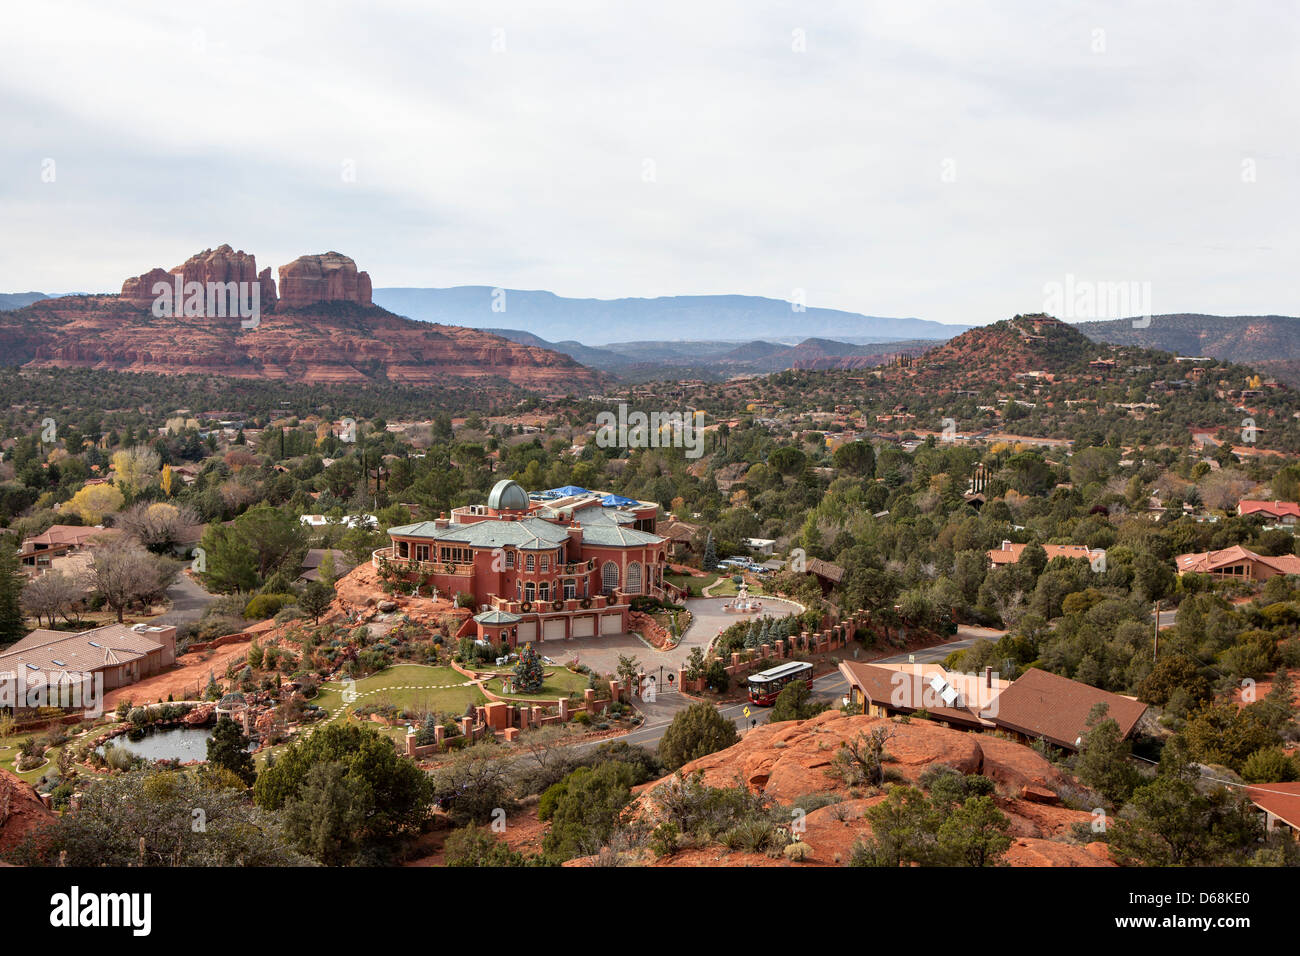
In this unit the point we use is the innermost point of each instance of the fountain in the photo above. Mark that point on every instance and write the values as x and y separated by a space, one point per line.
743 603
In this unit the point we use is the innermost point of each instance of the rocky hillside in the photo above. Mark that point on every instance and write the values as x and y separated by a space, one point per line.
319 326
21 811
790 760
1270 343
995 353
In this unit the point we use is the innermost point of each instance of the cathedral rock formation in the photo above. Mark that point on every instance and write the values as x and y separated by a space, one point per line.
222 264
330 277
306 337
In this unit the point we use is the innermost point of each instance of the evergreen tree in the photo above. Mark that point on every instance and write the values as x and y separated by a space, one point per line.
528 672
11 593
228 749
710 553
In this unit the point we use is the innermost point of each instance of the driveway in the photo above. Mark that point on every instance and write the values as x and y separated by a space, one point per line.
188 601
707 619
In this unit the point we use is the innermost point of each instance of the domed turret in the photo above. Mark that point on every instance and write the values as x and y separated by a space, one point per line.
508 495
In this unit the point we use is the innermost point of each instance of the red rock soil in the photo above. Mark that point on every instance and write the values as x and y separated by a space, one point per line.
21 811
788 760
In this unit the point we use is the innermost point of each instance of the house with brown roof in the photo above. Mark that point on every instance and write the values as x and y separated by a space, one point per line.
1238 563
121 655
965 701
1043 706
312 560
827 574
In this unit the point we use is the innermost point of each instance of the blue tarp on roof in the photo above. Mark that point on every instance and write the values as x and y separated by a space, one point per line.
615 501
567 490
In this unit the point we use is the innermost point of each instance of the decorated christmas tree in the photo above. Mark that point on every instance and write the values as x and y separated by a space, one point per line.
528 672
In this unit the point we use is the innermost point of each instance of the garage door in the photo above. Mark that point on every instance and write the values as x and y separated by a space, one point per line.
584 626
553 630
527 632
611 623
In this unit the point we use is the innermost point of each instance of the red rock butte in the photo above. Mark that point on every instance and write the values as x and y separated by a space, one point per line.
329 277
322 327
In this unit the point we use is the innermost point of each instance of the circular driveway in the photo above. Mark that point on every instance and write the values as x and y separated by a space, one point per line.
707 619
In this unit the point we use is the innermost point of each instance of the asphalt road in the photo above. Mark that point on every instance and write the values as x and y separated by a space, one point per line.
188 601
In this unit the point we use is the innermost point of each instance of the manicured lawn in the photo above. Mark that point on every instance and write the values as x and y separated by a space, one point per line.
691 584
728 589
560 682
407 686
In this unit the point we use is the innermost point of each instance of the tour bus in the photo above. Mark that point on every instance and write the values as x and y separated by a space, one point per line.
765 685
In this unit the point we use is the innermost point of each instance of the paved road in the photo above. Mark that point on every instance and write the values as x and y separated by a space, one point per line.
188 601
707 618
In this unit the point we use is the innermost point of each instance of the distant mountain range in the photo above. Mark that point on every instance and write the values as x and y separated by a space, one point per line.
737 318
1269 343
16 300
720 359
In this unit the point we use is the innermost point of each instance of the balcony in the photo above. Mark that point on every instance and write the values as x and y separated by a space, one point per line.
413 566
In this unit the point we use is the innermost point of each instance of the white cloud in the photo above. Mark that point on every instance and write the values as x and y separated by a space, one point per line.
774 170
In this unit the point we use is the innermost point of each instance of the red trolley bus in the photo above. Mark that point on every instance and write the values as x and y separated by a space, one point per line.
765 685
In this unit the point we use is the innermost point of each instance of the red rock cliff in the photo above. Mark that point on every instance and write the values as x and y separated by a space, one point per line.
330 277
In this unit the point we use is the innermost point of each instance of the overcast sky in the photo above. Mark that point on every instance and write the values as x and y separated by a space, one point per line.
944 161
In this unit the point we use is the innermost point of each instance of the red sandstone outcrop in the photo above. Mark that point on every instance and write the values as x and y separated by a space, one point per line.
222 264
21 811
309 339
330 277
793 759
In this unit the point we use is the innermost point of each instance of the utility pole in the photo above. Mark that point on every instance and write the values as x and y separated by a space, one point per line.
1156 653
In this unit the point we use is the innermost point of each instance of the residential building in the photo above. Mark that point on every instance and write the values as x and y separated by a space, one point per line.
1010 552
1238 562
1043 706
559 564
1281 512
120 654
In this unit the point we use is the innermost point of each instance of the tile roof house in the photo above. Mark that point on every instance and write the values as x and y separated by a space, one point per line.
566 563
1280 803
39 550
1283 512
1044 706
311 563
1237 562
121 654
1010 552
962 700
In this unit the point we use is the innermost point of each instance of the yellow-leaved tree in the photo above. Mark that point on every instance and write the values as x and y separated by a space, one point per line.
92 502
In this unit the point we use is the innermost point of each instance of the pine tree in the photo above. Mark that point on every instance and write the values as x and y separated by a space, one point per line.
11 593
528 672
710 553
228 749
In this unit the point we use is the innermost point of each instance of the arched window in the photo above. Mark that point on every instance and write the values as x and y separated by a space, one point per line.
528 592
609 577
634 578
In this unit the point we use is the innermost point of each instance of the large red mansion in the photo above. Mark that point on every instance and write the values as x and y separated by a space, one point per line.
559 564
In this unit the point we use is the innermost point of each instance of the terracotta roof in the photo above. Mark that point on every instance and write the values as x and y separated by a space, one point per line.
1274 509
1280 799
1039 704
1010 552
1206 562
67 534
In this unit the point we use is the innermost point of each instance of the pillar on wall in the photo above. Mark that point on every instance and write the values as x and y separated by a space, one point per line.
780 647
410 745
564 709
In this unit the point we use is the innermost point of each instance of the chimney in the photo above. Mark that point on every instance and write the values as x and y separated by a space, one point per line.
1006 545
988 676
